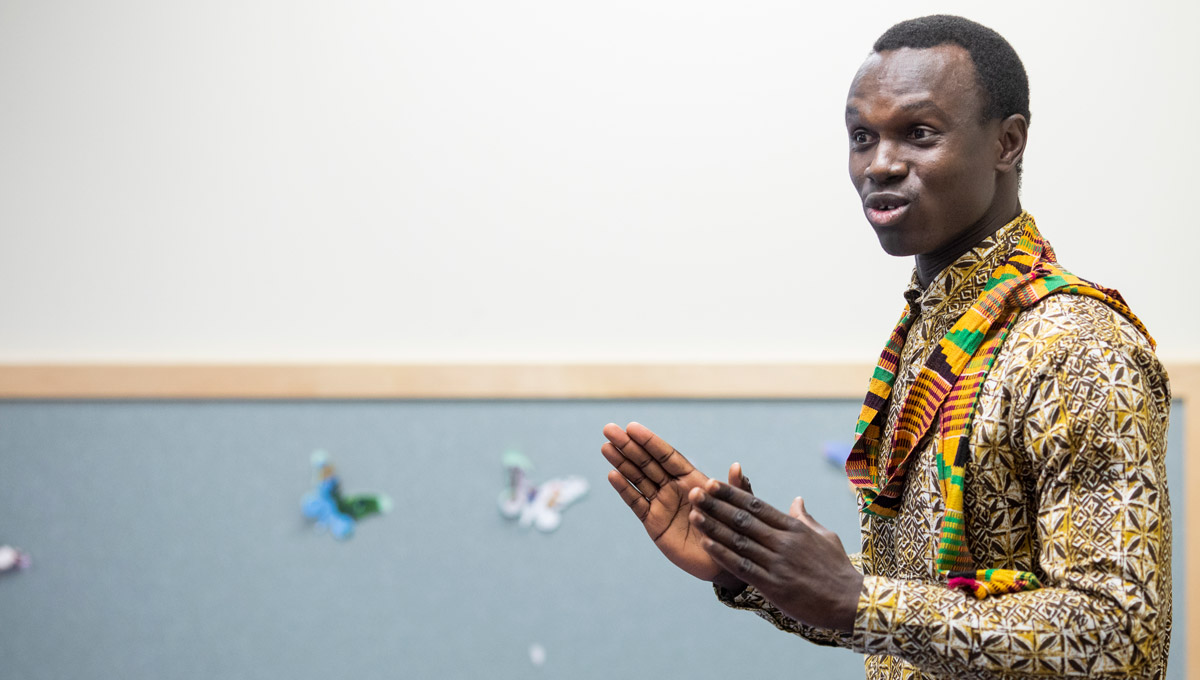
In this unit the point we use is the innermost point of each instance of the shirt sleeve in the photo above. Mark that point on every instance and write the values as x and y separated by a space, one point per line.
1094 427
750 599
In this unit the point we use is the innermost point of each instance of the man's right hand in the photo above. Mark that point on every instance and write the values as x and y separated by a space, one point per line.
654 481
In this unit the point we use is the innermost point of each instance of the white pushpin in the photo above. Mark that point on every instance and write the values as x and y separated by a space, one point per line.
537 654
11 558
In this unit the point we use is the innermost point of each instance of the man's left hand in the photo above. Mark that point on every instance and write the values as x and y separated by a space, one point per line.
797 564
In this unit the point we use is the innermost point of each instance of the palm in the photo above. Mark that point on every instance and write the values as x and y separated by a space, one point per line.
654 480
668 525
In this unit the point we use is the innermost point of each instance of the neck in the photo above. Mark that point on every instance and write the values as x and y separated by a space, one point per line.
929 265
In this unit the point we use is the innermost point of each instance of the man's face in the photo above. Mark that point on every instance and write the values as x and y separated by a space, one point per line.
921 156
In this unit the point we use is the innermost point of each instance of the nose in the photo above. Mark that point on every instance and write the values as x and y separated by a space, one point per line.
886 164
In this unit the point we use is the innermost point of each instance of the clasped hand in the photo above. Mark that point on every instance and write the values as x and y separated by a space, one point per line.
723 533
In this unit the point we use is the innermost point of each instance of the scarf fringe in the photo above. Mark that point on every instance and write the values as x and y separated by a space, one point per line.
987 582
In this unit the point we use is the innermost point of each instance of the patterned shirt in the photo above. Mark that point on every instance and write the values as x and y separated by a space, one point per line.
1067 480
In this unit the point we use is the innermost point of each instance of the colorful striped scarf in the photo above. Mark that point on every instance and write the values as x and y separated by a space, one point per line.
947 389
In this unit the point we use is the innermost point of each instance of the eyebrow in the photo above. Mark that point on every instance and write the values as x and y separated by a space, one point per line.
922 105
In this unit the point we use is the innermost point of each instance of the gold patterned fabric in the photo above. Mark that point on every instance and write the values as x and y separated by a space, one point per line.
1066 480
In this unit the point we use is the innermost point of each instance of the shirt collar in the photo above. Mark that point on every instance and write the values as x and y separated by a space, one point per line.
956 287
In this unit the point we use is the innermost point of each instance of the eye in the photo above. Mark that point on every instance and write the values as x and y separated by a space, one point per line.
920 134
859 137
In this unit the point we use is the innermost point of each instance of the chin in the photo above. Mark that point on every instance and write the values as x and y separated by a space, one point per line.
895 245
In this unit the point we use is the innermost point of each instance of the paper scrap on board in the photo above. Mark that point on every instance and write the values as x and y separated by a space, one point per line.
329 509
539 506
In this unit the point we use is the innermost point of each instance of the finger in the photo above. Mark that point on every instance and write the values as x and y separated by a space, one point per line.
635 453
635 500
740 566
737 542
634 474
748 502
671 460
734 519
738 478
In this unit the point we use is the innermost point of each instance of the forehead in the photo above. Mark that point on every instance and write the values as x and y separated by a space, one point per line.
942 75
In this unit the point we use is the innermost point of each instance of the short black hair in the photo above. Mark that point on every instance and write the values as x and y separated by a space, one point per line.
998 69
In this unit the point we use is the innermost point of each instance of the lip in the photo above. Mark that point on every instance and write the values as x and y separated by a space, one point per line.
885 209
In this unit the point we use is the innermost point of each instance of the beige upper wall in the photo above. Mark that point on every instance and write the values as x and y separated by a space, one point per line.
649 180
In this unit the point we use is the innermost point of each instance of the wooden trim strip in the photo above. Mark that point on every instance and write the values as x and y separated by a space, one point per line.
434 381
537 381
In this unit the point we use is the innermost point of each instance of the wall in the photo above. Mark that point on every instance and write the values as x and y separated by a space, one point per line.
167 542
649 180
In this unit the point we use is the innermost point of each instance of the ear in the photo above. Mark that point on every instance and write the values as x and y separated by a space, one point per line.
1010 142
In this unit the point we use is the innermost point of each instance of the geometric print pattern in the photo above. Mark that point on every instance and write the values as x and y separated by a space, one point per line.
1066 481
947 390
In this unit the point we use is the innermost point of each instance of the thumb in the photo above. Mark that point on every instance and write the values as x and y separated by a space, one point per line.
798 511
739 480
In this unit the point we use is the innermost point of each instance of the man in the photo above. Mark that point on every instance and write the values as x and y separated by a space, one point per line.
1014 511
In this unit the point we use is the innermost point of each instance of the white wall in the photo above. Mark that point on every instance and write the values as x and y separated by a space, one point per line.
531 180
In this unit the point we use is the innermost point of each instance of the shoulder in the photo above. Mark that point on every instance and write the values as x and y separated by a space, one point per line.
1083 345
1065 325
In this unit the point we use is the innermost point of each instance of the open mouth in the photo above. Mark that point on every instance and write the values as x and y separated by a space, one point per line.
885 211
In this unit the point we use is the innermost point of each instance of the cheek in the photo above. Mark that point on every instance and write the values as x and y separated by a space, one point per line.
856 168
974 191
972 174
956 187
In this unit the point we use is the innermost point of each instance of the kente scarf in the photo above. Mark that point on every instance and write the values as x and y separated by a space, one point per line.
947 389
